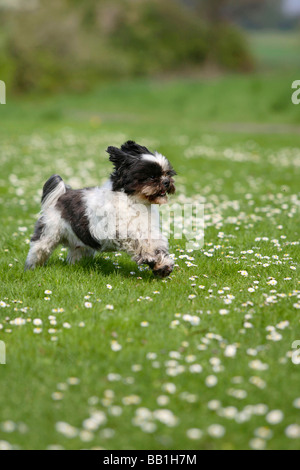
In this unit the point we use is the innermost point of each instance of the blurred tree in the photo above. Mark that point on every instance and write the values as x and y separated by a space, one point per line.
262 14
73 44
247 13
228 46
212 9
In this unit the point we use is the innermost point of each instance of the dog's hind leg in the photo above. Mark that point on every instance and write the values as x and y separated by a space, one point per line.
45 239
40 251
48 229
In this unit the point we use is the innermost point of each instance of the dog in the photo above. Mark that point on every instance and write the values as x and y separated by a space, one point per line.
121 215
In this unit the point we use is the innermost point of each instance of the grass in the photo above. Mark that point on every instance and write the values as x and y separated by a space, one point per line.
235 142
276 50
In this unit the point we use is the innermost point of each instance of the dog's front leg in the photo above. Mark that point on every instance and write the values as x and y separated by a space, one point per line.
164 265
157 258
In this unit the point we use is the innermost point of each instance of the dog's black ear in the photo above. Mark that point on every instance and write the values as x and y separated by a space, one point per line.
117 156
128 154
135 149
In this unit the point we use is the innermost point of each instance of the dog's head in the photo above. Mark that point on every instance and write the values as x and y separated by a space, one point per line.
141 173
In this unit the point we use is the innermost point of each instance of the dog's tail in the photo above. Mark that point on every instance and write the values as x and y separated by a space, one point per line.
52 190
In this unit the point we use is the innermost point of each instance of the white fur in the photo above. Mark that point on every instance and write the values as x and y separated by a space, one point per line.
116 221
52 197
157 158
41 250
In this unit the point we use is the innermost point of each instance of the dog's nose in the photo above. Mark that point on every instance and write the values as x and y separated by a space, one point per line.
166 183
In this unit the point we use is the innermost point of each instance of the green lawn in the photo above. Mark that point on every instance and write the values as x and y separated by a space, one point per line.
102 378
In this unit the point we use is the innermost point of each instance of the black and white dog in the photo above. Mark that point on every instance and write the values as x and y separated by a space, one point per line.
120 216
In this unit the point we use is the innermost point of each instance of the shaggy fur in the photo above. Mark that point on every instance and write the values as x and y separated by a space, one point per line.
119 216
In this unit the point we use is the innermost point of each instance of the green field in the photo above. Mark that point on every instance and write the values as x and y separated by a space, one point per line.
145 375
276 50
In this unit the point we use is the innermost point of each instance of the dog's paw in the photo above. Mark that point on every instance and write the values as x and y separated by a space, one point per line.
163 271
29 266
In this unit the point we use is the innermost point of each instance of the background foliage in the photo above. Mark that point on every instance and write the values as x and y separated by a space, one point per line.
70 44
154 372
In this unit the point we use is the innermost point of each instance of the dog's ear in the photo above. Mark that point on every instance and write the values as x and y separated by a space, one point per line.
117 156
128 154
135 149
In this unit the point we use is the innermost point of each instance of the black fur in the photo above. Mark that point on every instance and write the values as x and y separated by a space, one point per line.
135 149
50 185
120 158
72 209
131 178
131 171
129 153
